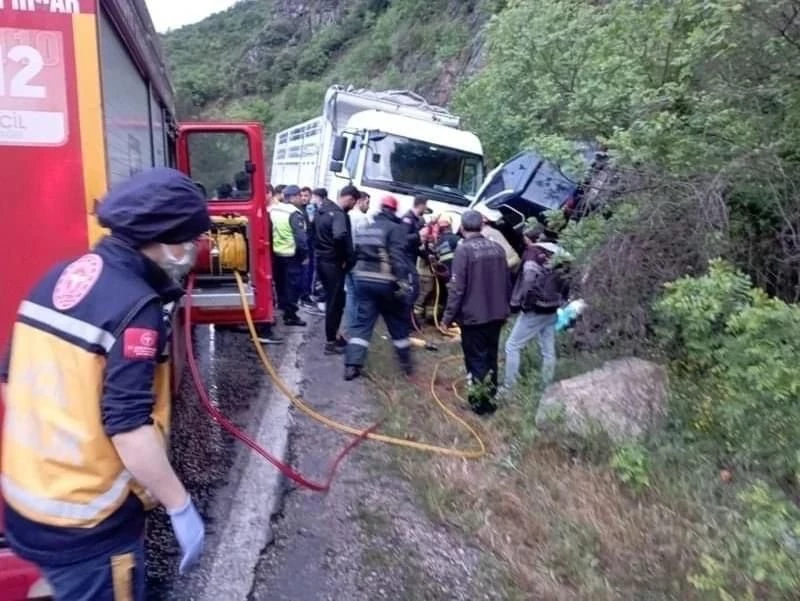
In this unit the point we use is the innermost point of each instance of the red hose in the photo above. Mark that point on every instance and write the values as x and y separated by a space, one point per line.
231 429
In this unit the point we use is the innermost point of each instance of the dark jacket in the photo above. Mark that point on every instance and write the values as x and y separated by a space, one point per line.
534 261
298 222
415 224
333 241
445 250
381 250
480 283
118 308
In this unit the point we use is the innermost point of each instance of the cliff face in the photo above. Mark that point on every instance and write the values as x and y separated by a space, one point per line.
272 59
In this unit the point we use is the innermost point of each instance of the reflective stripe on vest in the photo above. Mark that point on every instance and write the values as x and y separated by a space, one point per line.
68 325
66 510
58 465
283 242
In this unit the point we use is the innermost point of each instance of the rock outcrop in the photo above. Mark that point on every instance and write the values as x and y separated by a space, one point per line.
625 398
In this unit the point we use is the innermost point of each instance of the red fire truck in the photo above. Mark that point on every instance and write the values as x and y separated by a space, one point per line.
85 102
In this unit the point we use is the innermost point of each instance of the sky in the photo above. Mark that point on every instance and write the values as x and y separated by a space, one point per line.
171 14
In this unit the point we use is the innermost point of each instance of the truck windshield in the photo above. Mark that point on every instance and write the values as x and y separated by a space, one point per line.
442 173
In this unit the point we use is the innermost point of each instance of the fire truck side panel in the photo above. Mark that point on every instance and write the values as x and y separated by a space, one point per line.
40 153
160 156
46 116
126 107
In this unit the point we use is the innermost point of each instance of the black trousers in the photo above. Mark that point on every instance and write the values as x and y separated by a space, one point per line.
331 275
288 276
480 344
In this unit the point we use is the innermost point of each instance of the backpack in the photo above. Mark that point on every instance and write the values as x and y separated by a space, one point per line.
544 288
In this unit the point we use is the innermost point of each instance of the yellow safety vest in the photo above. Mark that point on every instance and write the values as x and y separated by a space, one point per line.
59 466
283 242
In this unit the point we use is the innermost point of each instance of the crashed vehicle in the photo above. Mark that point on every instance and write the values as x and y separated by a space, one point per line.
527 186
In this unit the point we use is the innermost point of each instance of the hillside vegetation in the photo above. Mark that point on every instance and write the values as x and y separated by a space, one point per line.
693 262
272 60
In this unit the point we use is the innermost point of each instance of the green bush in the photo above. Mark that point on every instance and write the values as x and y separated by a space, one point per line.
759 559
734 353
631 464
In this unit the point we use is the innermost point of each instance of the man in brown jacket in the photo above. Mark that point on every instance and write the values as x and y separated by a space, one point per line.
478 299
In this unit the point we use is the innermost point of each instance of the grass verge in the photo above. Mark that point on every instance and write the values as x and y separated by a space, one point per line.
558 519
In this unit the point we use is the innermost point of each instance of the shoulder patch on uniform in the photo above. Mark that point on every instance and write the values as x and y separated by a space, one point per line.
140 343
76 281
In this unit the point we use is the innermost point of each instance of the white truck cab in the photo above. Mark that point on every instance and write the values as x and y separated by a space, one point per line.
383 143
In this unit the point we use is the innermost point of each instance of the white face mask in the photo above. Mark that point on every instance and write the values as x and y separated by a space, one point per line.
178 267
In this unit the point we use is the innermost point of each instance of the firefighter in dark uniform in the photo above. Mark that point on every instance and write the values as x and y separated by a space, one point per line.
383 285
442 259
87 398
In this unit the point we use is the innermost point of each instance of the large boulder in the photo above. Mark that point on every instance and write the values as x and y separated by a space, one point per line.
624 398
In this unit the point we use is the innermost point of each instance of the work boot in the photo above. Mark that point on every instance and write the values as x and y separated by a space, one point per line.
407 368
294 321
351 372
332 348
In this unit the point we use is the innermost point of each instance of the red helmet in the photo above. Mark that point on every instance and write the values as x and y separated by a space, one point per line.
389 202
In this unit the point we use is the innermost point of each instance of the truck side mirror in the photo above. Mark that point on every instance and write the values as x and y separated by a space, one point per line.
336 166
339 148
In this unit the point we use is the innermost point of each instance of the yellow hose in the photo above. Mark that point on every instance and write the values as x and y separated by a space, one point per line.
232 250
400 442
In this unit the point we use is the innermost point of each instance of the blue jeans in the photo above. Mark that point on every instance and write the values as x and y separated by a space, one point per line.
527 327
288 275
350 307
309 272
118 576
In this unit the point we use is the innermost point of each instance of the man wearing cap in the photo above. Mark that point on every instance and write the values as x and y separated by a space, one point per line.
289 253
478 296
382 285
87 398
336 258
538 294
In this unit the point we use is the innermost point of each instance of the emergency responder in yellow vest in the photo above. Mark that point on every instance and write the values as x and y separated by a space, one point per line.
290 253
87 398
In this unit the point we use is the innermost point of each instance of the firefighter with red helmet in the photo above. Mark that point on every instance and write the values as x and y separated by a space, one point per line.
87 397
437 253
382 278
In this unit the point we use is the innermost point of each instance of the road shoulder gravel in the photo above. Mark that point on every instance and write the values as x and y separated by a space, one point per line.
369 537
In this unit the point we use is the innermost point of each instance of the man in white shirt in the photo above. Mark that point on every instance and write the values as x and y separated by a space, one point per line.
358 220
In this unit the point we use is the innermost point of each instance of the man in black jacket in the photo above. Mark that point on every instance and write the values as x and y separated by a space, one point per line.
478 299
335 257
383 283
415 222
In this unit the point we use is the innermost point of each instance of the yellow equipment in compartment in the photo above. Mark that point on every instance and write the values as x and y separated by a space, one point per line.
224 247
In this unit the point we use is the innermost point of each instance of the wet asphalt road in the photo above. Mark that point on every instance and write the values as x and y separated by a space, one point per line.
367 539
202 453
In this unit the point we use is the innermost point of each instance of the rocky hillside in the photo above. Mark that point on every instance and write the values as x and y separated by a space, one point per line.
272 59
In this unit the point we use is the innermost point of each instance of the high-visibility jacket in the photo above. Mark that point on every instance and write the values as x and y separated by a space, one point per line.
284 243
88 360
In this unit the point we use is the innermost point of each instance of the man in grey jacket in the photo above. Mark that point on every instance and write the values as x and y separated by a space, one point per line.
478 299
